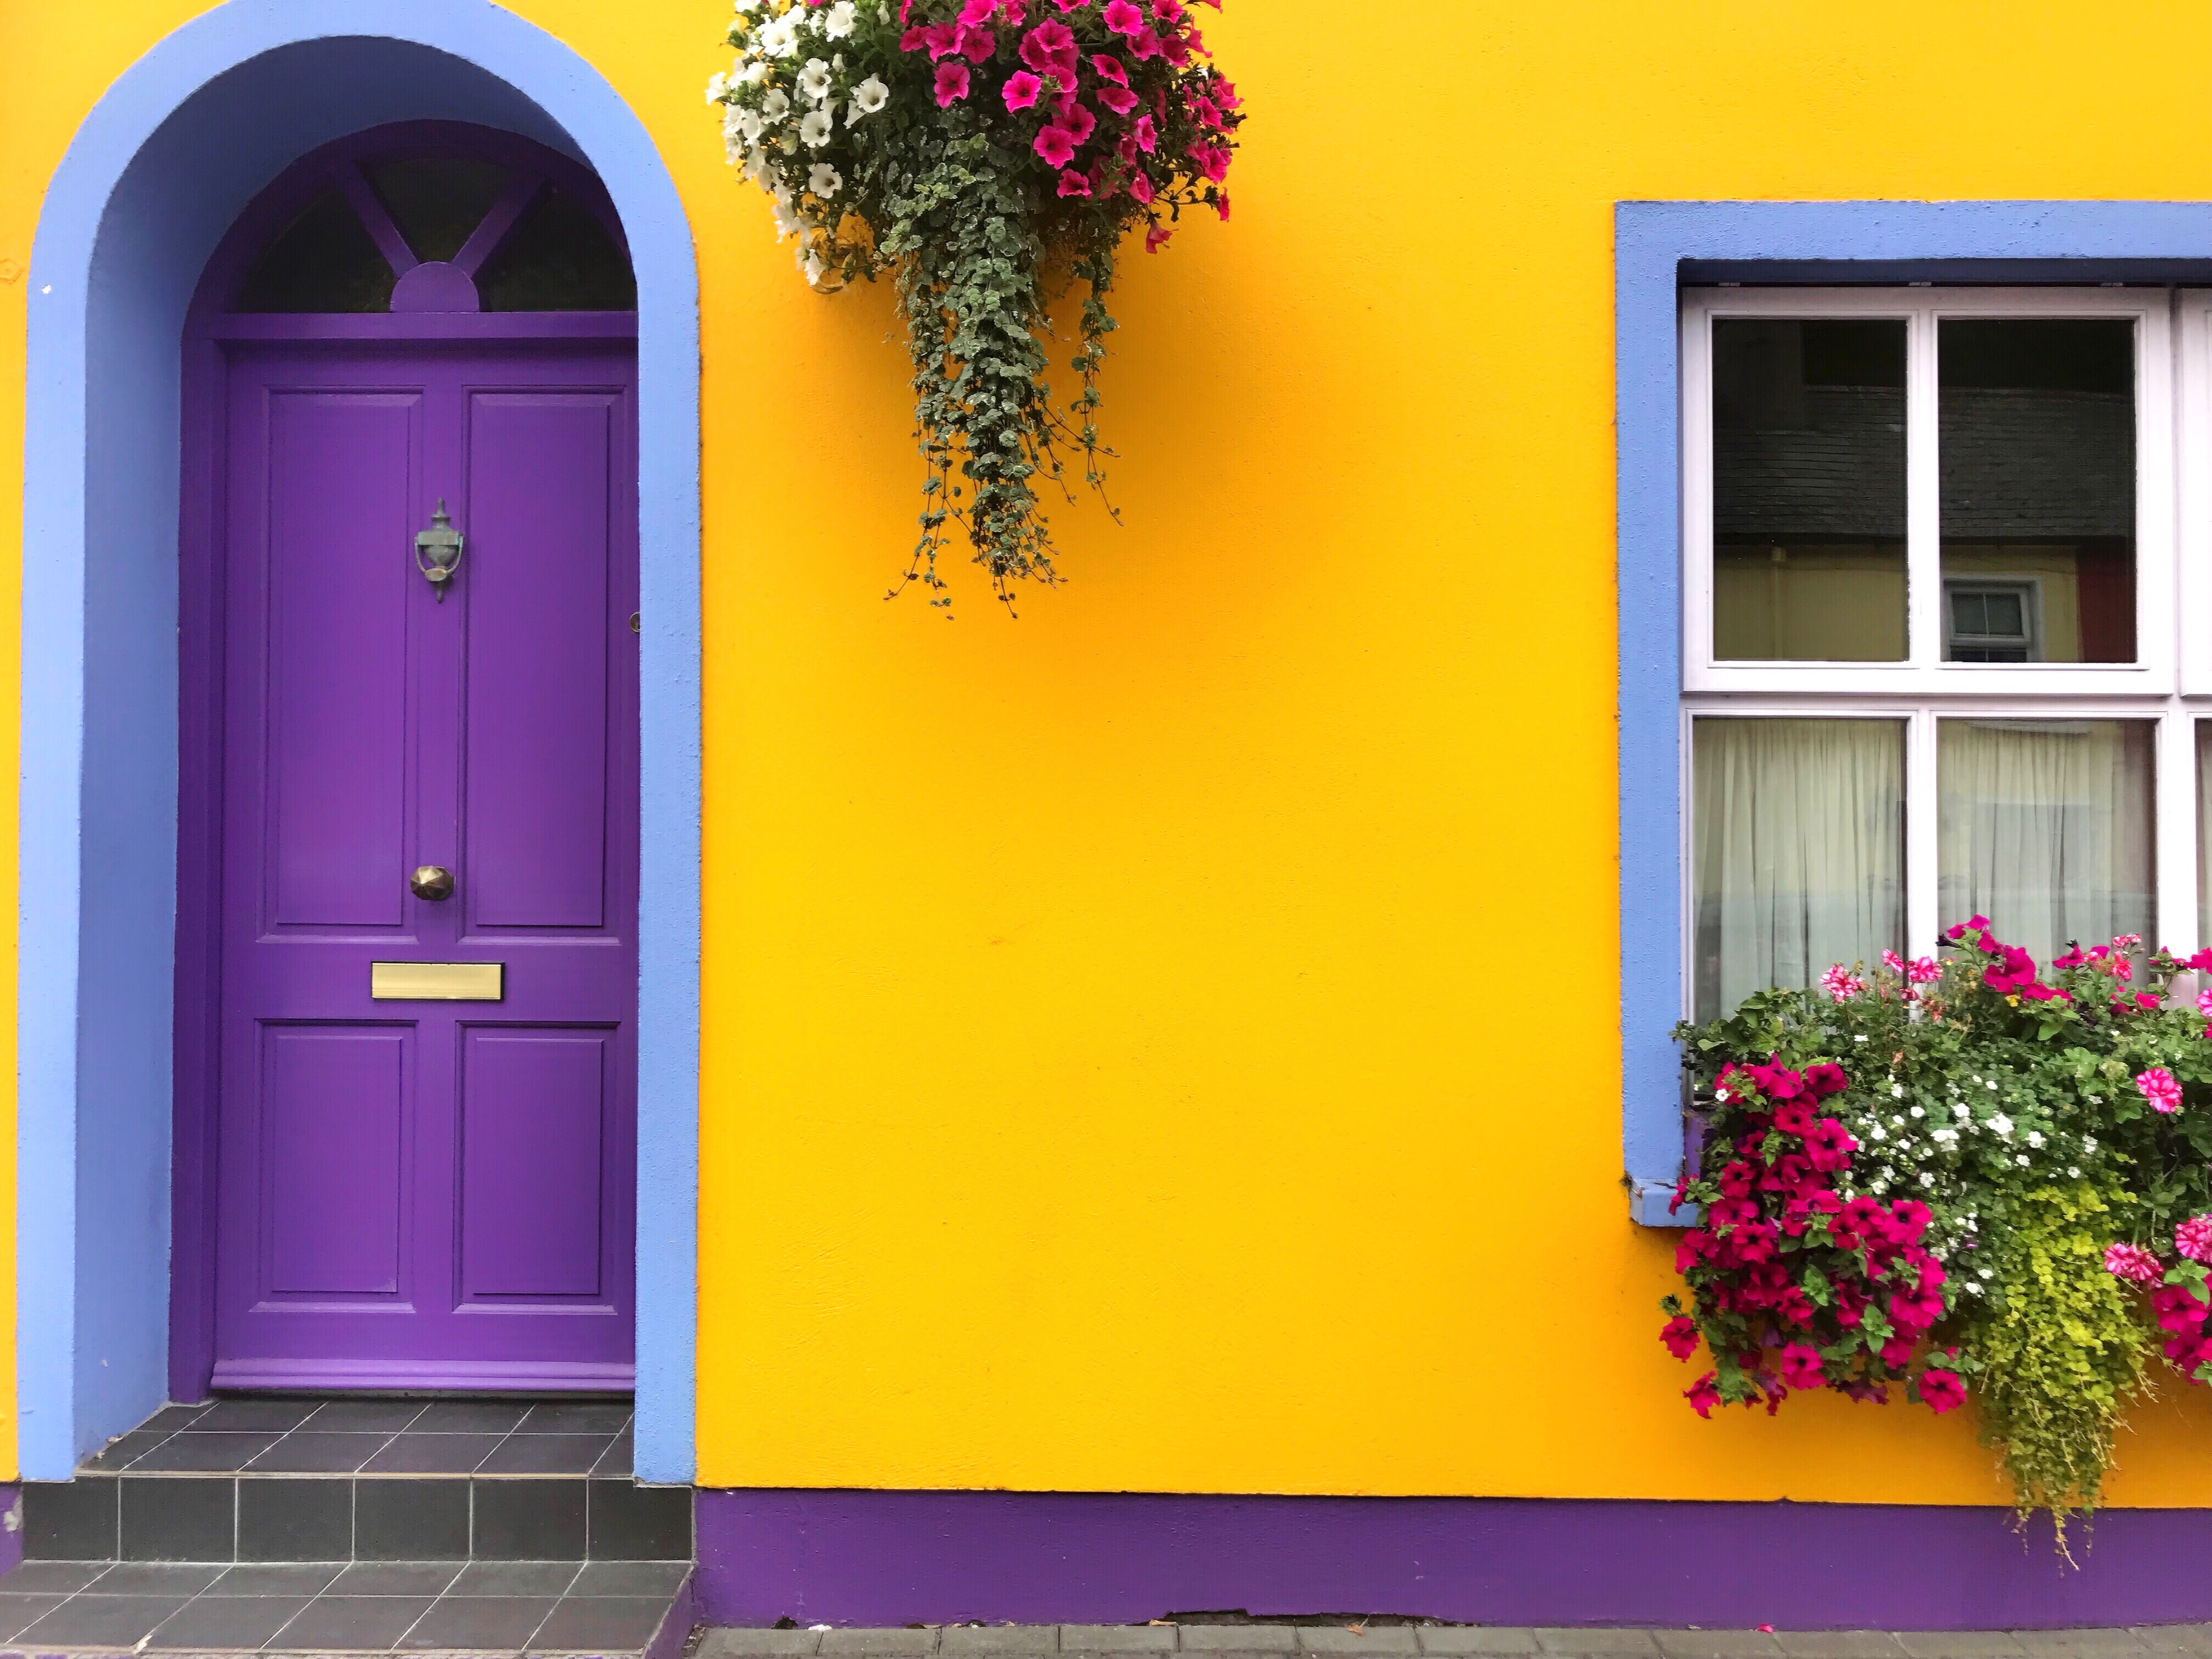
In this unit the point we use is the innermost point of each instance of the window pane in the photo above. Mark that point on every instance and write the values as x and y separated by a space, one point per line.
2046 827
325 260
1809 490
559 257
436 200
1799 853
2036 433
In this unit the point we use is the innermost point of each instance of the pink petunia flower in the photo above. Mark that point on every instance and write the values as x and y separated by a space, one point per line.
2177 1309
1941 1391
1109 69
2193 1238
1054 144
1896 1352
977 46
1924 971
951 84
1146 134
1022 90
1079 122
1826 1078
1073 184
1829 1145
1701 1394
1120 99
1049 49
2132 1261
944 39
1146 45
1141 187
1800 1366
1122 18
2160 1088
1681 1336
977 11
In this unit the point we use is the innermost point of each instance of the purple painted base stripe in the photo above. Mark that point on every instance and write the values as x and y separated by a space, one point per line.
894 1557
11 1535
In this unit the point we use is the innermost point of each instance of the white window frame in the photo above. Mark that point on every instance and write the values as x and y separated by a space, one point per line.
2170 684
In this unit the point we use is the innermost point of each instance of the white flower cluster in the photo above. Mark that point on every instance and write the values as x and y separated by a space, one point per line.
1935 1142
780 107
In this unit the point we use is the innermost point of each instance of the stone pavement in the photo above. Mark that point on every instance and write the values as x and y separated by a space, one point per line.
1258 1641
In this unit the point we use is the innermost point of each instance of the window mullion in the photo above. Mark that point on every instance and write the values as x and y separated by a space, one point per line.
1922 920
2177 833
1923 528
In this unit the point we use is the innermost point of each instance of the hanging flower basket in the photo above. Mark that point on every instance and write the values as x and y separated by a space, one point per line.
967 149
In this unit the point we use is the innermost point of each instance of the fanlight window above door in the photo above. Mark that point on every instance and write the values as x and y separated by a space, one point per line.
443 232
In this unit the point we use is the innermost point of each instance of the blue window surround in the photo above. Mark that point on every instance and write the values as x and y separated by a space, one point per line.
1658 247
160 168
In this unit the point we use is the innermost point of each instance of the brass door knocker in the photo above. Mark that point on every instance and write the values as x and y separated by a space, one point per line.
438 550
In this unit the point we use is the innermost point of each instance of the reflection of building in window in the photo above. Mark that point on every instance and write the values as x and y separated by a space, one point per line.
1992 621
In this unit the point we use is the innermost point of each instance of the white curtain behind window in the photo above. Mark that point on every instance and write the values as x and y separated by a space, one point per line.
2045 828
1798 853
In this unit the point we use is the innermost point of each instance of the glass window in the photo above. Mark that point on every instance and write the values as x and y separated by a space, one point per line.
2047 828
2036 432
1808 489
559 257
436 200
1799 854
323 260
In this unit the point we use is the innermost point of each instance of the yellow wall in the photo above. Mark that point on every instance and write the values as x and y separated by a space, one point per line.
1169 1042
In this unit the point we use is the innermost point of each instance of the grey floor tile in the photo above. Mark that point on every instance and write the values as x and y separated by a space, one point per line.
1239 1638
1957 1644
363 1416
432 1454
1594 1641
576 1417
468 1417
1366 1638
100 1621
661 1578
727 1642
515 1578
2081 1644
1021 1639
341 1624
228 1624
200 1453
58 1577
305 1452
170 1418
121 1453
1116 1638
1476 1639
178 1578
395 1578
902 1644
483 1621
619 1459
1717 1644
274 1416
546 1454
1838 1644
2193 1639
601 1623
20 1610
278 1579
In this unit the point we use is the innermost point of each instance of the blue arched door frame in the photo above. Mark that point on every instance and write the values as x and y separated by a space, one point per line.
154 175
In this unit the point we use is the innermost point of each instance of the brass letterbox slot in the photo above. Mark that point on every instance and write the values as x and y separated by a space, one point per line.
437 981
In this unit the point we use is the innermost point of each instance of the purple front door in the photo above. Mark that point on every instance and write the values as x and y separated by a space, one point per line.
428 1194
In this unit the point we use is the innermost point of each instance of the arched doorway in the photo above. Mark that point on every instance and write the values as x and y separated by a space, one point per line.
155 176
405 1144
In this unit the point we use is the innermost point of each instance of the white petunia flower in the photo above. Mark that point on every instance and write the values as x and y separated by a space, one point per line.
744 8
779 39
753 73
813 266
814 127
824 181
871 96
748 122
814 80
837 22
717 84
775 105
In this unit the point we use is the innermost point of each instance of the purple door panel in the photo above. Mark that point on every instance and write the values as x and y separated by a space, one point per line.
428 1195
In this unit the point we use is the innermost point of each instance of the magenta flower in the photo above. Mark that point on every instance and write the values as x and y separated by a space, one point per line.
1826 1078
976 46
1800 1366
1109 69
1049 49
1141 188
2177 1309
2160 1088
1681 1336
2193 1238
977 11
1120 99
1146 45
1155 240
1022 90
1147 136
1122 18
951 84
1828 1145
1941 1391
1701 1394
1073 183
943 40
1839 982
1054 144
1924 971
1079 122
2134 1262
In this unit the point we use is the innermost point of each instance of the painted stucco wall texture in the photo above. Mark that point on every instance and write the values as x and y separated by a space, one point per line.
1169 1042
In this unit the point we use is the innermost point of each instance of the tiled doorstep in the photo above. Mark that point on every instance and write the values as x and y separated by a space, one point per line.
544 1606
376 1437
1262 1641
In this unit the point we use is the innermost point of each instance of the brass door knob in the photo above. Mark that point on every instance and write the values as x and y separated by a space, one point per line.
432 881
